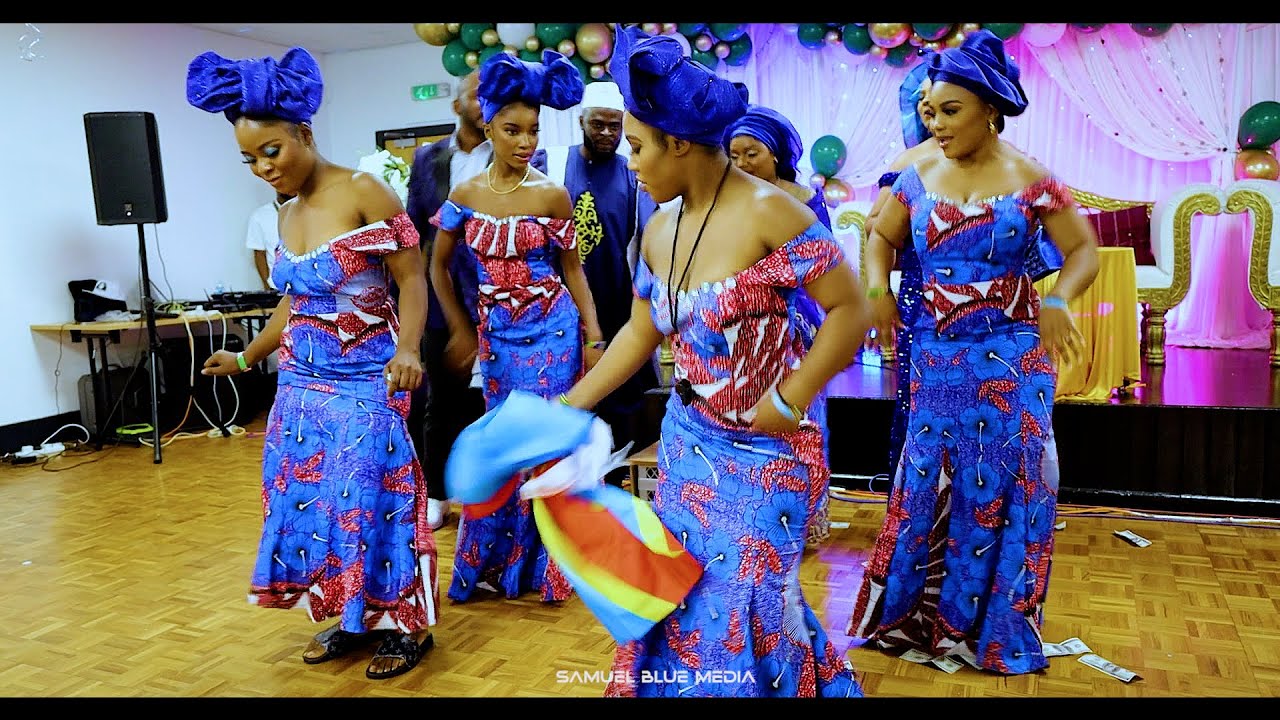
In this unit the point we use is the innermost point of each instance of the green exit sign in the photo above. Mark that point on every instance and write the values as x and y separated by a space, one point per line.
429 92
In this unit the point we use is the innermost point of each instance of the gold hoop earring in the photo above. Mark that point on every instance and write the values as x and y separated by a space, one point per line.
991 125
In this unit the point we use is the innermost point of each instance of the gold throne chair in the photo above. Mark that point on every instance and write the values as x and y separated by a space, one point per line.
1261 198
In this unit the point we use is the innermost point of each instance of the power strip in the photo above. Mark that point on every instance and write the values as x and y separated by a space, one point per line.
46 450
199 312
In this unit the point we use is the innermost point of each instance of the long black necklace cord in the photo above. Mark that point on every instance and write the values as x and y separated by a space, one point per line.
684 389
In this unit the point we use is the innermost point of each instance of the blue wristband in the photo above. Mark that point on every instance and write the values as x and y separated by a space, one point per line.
1053 301
782 406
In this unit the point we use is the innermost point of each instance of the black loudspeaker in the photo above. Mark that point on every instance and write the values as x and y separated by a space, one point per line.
124 161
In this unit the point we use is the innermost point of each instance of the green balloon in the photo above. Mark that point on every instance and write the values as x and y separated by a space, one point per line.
533 56
739 51
1004 31
1151 29
931 31
827 155
552 34
728 32
899 54
812 35
454 58
470 35
489 52
856 38
1259 126
691 29
1088 27
708 59
584 67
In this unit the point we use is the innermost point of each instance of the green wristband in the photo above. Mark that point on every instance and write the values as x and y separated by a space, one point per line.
244 366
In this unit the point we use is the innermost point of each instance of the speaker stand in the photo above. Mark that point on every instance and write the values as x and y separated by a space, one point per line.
153 342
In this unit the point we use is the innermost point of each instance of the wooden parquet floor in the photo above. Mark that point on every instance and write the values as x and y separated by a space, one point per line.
122 578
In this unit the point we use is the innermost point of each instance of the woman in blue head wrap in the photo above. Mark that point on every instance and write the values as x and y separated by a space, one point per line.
764 143
1043 256
740 460
961 566
537 322
345 532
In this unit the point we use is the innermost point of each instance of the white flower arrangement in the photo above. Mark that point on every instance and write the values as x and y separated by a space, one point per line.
390 168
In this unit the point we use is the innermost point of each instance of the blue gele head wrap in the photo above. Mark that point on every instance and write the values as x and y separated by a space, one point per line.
981 66
670 92
289 89
775 131
909 94
555 83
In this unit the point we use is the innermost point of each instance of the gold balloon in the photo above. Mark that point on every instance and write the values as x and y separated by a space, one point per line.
489 37
472 58
1257 164
433 33
511 50
889 35
670 28
956 40
566 48
836 191
532 43
594 42
971 27
651 28
453 28
817 180
878 51
721 50
703 43
833 37
597 71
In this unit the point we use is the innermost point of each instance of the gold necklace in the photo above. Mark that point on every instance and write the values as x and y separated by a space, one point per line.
488 176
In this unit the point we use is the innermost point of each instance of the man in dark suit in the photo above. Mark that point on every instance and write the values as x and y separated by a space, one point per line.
445 404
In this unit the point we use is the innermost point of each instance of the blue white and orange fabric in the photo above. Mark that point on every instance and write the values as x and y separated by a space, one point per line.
627 568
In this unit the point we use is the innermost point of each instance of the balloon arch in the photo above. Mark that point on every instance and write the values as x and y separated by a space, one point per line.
590 45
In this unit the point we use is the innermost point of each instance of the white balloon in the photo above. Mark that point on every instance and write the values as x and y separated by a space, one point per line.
684 43
1043 34
514 33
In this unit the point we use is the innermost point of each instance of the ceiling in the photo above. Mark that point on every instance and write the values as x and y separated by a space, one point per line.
321 37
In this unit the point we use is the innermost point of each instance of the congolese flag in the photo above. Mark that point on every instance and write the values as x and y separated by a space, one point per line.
626 566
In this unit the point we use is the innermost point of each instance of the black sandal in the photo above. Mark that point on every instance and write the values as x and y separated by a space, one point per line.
401 647
336 643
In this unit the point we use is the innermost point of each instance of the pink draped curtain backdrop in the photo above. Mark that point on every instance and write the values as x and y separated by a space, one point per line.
1110 112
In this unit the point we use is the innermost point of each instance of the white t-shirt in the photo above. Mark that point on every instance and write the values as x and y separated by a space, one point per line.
466 165
264 234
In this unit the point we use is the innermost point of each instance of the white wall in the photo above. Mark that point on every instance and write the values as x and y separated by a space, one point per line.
368 90
48 229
